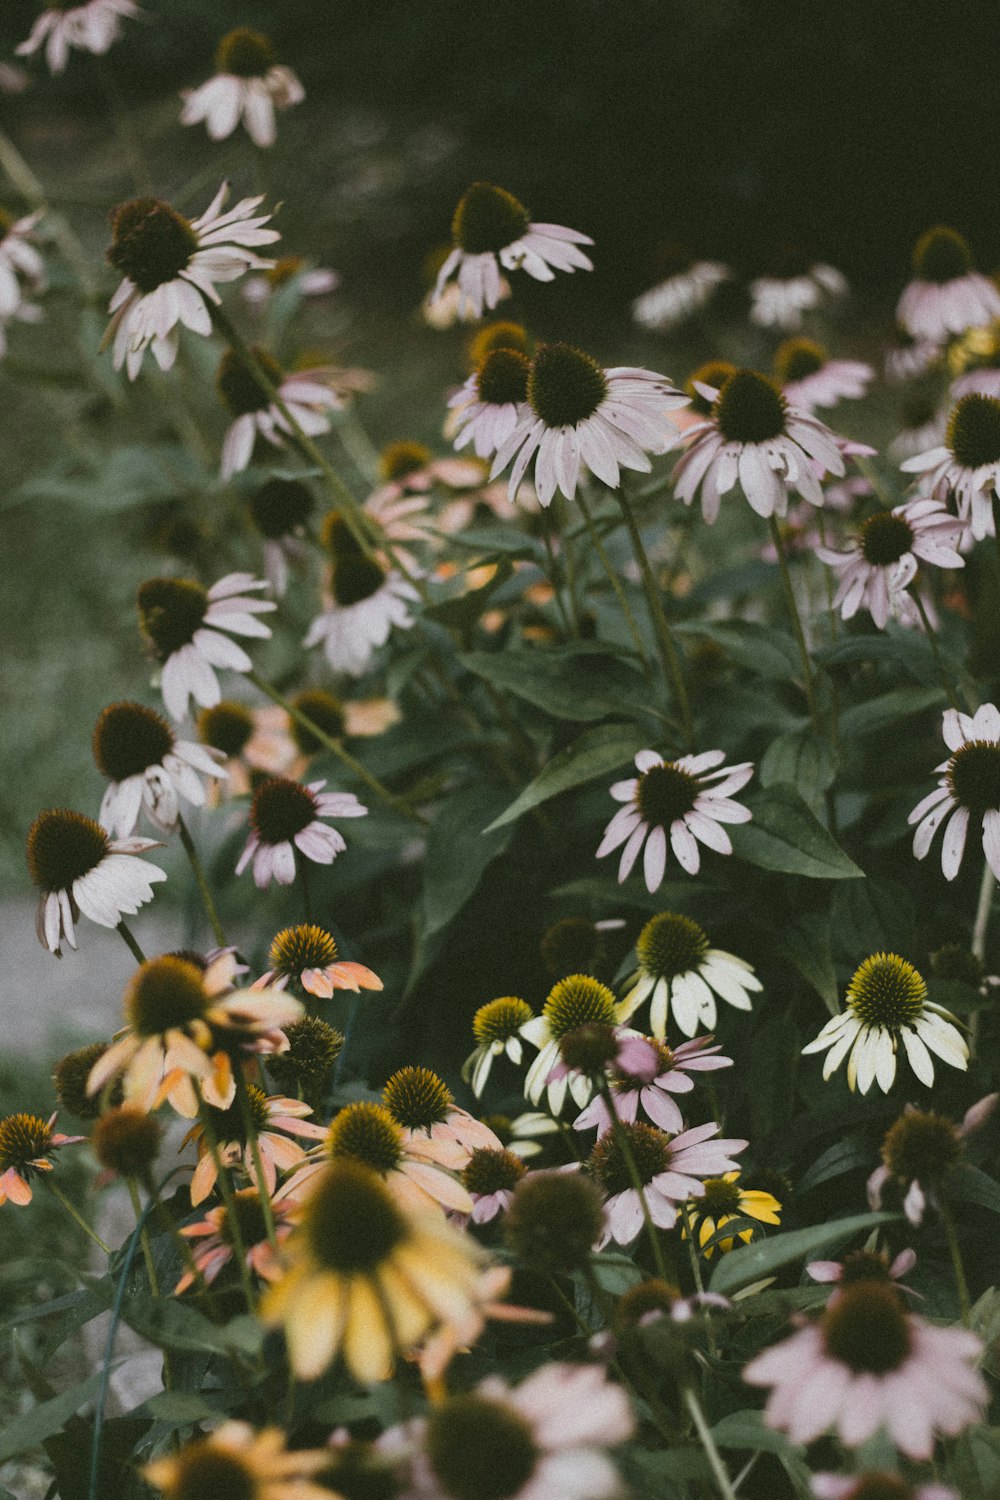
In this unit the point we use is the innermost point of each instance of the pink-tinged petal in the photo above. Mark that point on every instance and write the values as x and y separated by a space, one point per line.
953 846
685 847
655 859
631 851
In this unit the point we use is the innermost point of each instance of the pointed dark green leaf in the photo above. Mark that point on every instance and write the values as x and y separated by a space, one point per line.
598 752
579 682
753 1262
785 836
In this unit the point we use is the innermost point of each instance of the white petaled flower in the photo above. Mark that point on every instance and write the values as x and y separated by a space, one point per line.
491 402
947 294
672 1169
877 571
19 260
809 377
578 1000
149 769
755 437
492 229
78 868
680 802
93 27
887 1004
579 416
287 817
248 84
680 972
302 400
869 1364
496 1027
644 1075
686 287
782 301
968 791
908 358
170 267
968 465
184 625
309 280
279 510
364 602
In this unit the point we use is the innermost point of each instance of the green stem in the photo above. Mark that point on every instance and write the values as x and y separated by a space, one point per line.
699 1280
796 618
664 638
555 577
60 1196
203 887
571 578
980 927
147 1249
229 1199
931 634
624 1146
344 755
183 1244
719 1471
827 578
254 1143
955 1251
130 943
613 579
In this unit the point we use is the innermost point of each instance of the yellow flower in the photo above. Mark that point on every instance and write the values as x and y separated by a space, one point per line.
367 1278
235 1460
723 1202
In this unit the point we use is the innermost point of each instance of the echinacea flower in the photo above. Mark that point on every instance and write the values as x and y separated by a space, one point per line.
868 1364
492 229
27 1143
967 466
782 299
235 1460
181 1016
645 1075
92 27
877 570
279 509
863 1265
682 802
646 1302
680 972
287 818
919 1152
306 959
18 258
417 1170
887 1005
672 1168
580 417
365 601
724 1202
184 624
908 358
274 1119
309 280
496 1027
301 402
808 376
488 406
248 83
578 1000
686 285
366 1278
490 1177
545 1439
78 868
148 769
967 793
216 1242
170 266
425 1107
975 360
875 1485
754 436
947 294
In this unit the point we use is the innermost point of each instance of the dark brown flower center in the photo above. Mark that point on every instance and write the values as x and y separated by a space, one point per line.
488 218
665 793
886 991
280 506
498 1020
303 947
205 1472
227 727
885 538
502 377
866 1329
325 711
921 1146
941 255
281 809
480 1449
239 388
749 409
151 242
671 944
565 385
62 847
577 1000
351 1224
366 1133
128 739
974 776
492 1171
797 358
400 459
417 1098
650 1151
714 373
245 53
974 430
164 993
170 611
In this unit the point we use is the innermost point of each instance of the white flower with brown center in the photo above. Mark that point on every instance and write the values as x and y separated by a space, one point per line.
808 376
753 436
496 1027
686 285
781 299
947 294
287 818
492 229
487 408
19 261
249 83
676 804
681 973
364 603
78 868
671 1168
968 464
580 416
876 572
578 1000
170 267
184 624
148 768
301 402
93 27
887 1005
967 793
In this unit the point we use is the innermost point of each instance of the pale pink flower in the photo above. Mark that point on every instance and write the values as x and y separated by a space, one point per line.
946 1137
92 27
947 295
967 465
864 1265
645 1075
672 1168
876 572
783 301
968 792
248 85
287 818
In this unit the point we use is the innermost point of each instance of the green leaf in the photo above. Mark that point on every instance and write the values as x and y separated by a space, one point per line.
462 610
745 1429
133 475
500 541
754 1262
801 759
967 1184
803 941
597 752
891 708
785 836
580 682
174 1325
759 648
843 1156
42 1421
